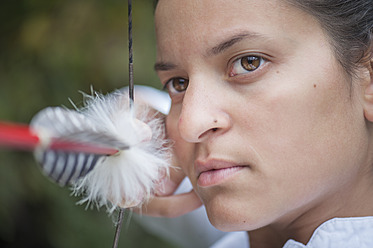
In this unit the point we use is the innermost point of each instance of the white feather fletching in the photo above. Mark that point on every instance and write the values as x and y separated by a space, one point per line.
126 179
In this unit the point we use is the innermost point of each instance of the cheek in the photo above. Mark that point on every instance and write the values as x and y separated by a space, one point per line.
301 113
307 138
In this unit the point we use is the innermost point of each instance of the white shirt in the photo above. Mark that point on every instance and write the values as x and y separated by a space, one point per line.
354 232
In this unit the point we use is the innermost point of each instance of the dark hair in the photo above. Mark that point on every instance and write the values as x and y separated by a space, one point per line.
348 23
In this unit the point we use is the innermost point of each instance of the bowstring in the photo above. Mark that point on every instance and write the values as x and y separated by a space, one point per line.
130 54
131 101
118 227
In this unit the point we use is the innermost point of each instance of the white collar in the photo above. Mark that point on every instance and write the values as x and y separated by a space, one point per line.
352 232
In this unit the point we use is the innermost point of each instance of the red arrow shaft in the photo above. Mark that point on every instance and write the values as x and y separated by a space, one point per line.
20 136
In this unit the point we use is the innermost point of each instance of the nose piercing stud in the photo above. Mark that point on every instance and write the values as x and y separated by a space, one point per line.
215 128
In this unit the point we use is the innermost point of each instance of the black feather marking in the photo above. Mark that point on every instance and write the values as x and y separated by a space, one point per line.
80 160
87 160
63 156
71 157
94 162
52 164
66 168
73 168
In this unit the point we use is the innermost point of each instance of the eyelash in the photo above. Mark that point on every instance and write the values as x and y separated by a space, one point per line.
251 62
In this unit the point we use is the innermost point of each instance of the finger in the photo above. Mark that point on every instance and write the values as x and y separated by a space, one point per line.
169 183
171 206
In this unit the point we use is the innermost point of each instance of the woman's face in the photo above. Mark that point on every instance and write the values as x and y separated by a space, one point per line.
269 126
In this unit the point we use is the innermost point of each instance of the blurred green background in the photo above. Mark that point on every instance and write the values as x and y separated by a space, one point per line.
50 50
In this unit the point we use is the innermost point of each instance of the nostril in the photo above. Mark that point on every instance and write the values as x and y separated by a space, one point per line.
213 130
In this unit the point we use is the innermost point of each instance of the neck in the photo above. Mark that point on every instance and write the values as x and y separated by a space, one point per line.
300 224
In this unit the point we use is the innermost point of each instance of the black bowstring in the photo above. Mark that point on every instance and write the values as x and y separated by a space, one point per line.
130 53
131 97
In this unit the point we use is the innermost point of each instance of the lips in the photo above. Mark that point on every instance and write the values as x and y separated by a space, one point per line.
214 171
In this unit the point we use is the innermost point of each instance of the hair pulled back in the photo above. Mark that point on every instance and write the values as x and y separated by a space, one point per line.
349 25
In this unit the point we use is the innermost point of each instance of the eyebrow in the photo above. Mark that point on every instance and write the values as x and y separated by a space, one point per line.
230 41
220 48
164 66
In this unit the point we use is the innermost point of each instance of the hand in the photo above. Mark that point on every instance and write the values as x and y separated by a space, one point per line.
165 203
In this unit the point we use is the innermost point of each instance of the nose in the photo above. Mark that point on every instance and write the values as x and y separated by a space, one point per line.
204 111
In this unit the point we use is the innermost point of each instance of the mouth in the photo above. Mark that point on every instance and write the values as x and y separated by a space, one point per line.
214 171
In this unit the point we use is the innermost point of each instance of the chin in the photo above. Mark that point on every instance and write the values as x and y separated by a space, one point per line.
227 216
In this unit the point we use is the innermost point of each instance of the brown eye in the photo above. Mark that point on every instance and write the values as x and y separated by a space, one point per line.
246 64
177 85
180 84
250 63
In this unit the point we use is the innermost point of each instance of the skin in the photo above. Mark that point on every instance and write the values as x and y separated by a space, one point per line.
297 130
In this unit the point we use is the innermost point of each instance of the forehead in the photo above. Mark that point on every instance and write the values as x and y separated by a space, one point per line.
195 24
212 9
